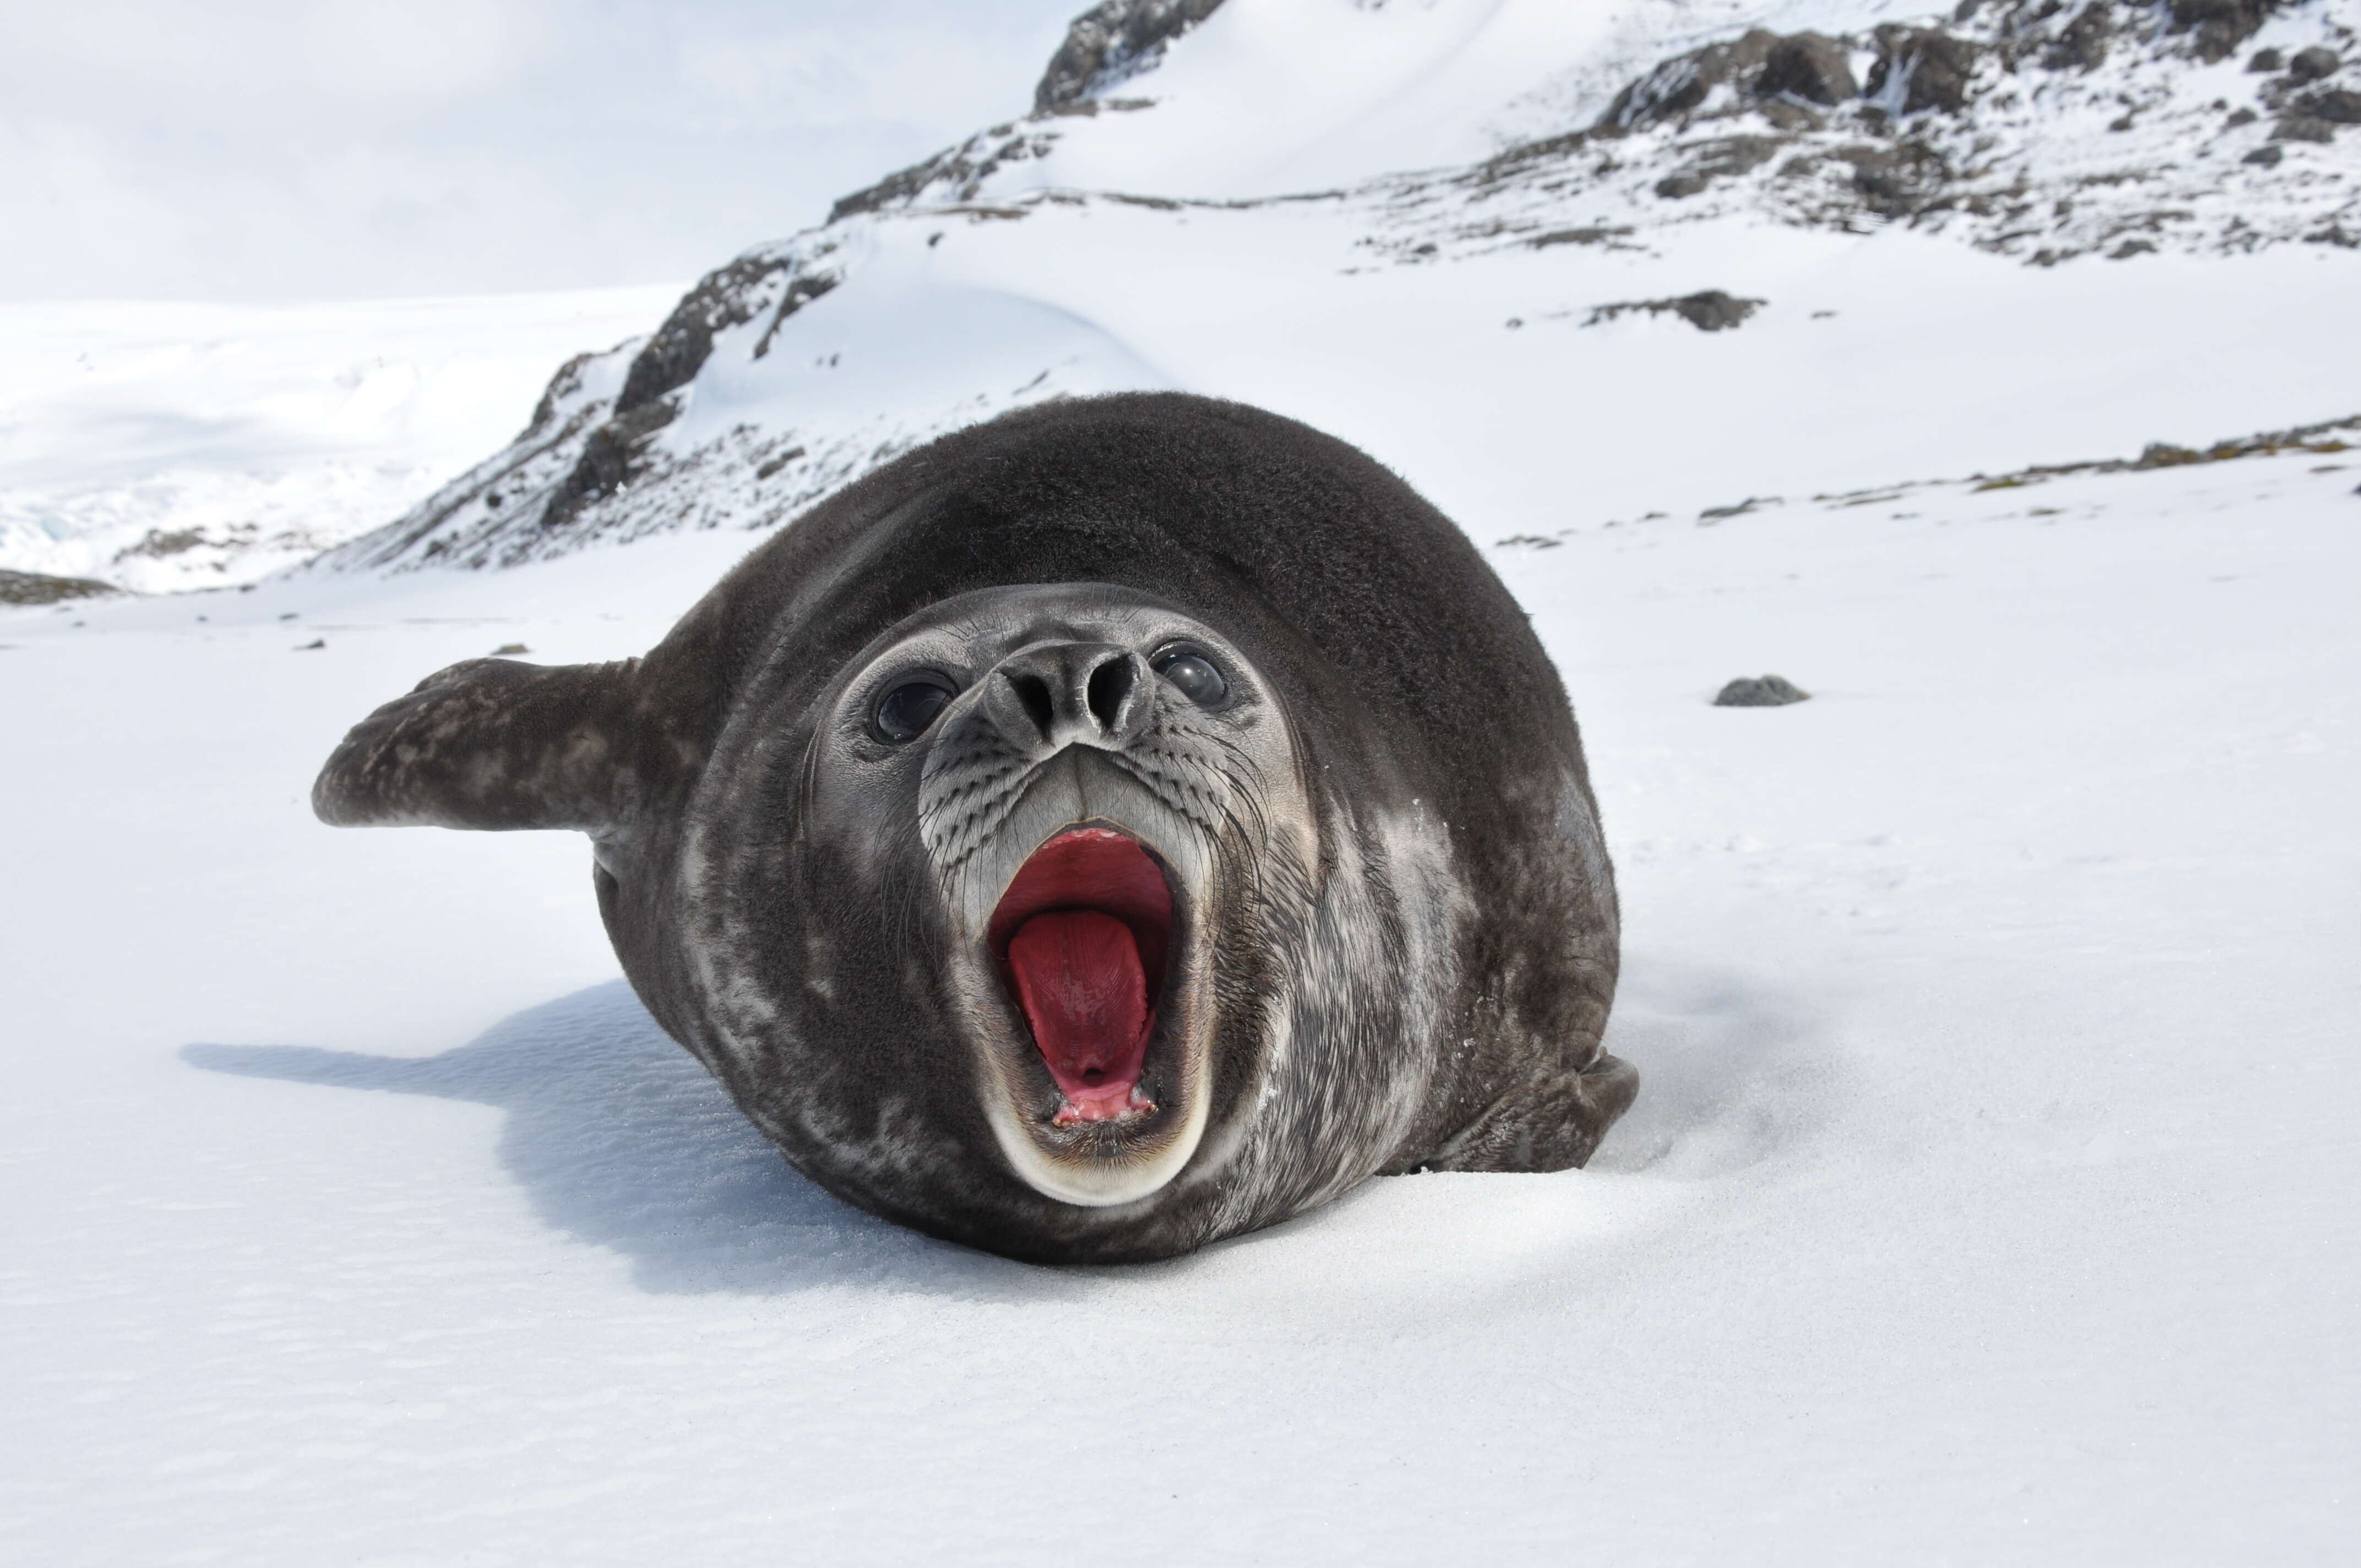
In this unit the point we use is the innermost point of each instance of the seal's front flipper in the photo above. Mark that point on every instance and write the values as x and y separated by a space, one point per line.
495 743
1552 1123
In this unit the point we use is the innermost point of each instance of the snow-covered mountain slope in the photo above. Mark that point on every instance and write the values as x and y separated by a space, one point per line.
2019 232
1986 1201
174 447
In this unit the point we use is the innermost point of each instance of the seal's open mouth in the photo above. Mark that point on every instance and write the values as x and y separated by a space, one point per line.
1080 938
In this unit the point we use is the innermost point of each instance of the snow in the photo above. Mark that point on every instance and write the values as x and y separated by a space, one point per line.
1899 331
1988 1199
168 445
1989 1196
1273 97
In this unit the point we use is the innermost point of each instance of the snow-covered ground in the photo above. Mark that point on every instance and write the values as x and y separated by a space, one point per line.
1989 1197
165 446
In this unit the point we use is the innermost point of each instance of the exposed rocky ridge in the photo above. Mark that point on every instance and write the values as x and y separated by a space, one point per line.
1714 310
1106 46
2327 438
1112 43
1955 127
38 587
2035 129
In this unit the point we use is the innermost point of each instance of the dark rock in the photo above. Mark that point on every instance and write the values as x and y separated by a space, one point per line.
1898 178
2265 157
901 184
2266 62
316 643
722 298
1710 311
1809 66
730 297
1760 67
1673 89
959 171
2240 117
1713 310
2130 248
1598 235
39 587
1935 67
2083 45
2221 26
1523 155
162 543
1734 155
1789 116
1717 159
1759 691
615 454
2302 127
2339 104
2312 64
564 385
1110 41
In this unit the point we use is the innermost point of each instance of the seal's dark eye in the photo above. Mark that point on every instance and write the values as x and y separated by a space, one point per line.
903 713
1193 675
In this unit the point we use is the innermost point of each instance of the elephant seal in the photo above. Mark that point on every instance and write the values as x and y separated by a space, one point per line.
1114 827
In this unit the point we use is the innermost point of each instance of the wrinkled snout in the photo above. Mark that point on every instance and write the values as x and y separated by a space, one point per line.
1055 694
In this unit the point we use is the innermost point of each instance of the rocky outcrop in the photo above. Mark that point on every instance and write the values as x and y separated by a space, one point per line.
2339 105
2081 44
615 451
1111 42
953 174
1954 129
1917 70
1759 691
1921 69
730 296
2220 26
2044 130
1106 46
1761 67
1714 310
38 588
2313 64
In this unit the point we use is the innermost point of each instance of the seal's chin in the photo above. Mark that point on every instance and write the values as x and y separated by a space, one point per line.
1081 940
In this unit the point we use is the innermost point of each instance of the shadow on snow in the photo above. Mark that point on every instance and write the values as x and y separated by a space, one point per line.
620 1137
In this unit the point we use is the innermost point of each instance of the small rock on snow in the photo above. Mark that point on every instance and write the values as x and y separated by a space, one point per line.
1759 691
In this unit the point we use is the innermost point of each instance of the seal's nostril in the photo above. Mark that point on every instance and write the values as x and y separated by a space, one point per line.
1110 685
1034 693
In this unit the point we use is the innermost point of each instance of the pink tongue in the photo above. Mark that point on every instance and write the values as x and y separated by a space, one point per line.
1079 979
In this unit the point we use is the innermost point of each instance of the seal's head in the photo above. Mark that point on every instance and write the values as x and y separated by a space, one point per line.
1108 829
1072 799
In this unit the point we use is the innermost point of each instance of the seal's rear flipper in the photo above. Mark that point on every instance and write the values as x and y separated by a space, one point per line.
495 743
1554 1124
